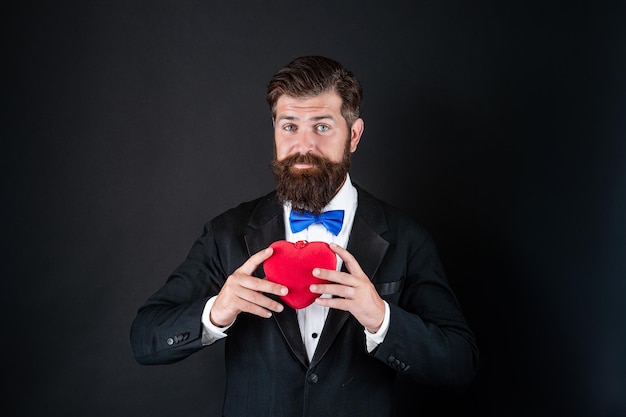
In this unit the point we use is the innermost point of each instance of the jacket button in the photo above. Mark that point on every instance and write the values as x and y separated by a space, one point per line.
391 359
313 378
170 341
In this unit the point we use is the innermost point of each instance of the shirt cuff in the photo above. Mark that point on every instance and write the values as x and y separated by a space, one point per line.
210 332
374 339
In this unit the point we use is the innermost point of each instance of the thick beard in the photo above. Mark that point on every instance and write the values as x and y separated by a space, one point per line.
310 189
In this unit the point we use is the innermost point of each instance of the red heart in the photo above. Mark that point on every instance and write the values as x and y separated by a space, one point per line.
292 265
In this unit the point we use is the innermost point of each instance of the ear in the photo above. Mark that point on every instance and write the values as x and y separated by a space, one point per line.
355 133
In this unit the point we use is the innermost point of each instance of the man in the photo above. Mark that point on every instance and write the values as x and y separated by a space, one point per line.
386 309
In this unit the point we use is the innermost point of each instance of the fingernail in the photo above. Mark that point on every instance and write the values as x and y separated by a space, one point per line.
316 272
284 291
313 288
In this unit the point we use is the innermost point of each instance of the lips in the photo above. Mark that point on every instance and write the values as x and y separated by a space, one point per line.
302 166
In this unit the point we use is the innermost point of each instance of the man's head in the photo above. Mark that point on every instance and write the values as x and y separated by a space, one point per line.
315 107
310 76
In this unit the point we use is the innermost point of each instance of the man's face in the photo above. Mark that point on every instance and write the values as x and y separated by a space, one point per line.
313 125
313 149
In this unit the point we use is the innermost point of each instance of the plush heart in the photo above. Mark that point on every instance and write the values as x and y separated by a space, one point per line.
292 265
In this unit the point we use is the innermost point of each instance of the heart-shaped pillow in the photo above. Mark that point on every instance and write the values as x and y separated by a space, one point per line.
292 265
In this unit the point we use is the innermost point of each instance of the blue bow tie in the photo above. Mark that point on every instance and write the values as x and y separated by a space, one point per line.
331 220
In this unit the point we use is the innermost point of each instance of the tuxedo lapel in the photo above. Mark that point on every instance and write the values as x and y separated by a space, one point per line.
369 248
267 224
287 321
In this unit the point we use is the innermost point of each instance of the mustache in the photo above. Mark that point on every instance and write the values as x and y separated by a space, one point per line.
307 158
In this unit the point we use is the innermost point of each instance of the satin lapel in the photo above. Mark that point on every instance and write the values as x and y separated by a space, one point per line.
263 236
259 238
369 248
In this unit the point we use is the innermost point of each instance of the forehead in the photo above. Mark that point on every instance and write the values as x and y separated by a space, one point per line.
327 102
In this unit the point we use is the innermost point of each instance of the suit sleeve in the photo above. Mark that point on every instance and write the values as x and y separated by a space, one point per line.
168 327
428 338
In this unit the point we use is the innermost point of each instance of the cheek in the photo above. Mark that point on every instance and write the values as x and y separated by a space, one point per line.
281 148
334 151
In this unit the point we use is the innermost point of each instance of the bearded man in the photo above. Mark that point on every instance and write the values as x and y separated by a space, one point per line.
385 309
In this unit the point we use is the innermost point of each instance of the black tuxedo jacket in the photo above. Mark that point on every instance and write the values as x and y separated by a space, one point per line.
268 372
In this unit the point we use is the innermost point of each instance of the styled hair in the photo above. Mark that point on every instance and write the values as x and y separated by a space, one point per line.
309 76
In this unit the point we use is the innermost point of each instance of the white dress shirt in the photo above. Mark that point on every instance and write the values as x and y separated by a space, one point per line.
311 319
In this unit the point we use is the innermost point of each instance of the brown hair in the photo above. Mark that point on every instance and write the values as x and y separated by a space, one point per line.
309 76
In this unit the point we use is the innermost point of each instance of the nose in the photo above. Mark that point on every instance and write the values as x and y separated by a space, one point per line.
304 142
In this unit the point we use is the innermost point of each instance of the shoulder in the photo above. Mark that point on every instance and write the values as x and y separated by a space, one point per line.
258 210
389 221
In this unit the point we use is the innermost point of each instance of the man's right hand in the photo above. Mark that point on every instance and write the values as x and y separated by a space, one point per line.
244 292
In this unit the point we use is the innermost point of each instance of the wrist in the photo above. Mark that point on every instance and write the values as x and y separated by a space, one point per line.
377 322
380 330
213 316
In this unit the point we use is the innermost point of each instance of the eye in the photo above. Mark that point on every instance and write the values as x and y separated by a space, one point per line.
322 128
289 128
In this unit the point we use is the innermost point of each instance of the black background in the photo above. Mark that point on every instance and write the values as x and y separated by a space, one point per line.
499 125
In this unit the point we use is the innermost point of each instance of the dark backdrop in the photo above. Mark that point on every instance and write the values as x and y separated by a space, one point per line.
499 125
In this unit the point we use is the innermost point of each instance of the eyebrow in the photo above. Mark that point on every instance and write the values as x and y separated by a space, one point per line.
315 119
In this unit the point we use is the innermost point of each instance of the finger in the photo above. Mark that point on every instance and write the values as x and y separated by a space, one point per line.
253 299
335 303
342 291
255 260
331 275
262 285
257 310
338 277
352 265
243 293
226 310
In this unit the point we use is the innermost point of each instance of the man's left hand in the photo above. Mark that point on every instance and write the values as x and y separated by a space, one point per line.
355 291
